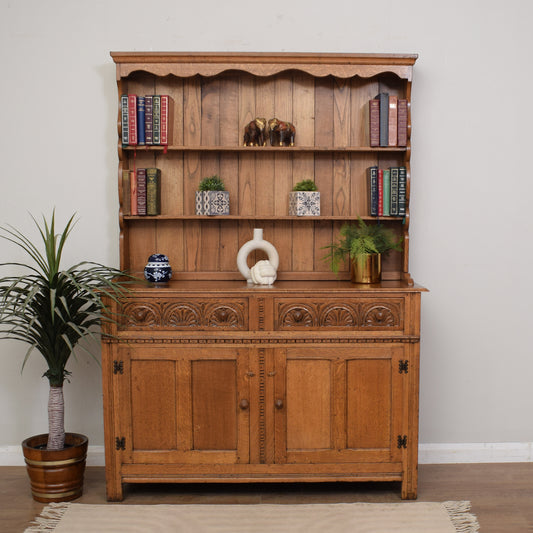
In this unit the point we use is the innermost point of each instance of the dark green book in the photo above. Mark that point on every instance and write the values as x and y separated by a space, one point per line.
402 191
153 191
394 175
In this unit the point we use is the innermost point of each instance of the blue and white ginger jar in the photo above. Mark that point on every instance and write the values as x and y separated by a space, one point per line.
158 269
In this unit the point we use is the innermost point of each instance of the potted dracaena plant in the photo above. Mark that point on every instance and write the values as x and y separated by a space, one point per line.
51 310
364 245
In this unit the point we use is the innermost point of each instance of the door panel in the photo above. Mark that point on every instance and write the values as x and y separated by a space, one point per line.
368 403
153 405
185 405
338 404
214 397
308 404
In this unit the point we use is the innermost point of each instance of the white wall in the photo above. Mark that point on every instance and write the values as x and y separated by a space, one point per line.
471 195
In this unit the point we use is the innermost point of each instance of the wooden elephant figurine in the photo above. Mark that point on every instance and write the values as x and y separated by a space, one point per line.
281 133
254 132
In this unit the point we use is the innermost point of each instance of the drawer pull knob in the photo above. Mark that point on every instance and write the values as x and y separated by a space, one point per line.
278 404
244 404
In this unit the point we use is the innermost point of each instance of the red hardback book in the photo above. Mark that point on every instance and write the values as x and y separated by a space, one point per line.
373 115
133 192
402 122
380 192
132 119
393 120
141 191
166 119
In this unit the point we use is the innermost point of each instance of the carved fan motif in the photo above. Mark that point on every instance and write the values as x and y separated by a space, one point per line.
297 317
380 316
141 314
224 316
181 315
338 316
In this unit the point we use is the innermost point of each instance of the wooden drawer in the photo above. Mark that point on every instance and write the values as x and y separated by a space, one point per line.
368 314
190 314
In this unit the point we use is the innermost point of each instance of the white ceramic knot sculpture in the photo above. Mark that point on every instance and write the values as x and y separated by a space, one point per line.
263 272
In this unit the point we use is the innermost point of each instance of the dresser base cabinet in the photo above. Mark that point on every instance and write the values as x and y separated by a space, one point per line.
222 382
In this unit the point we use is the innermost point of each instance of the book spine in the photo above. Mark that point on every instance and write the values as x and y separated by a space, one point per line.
402 122
386 192
141 191
402 191
148 120
372 173
132 118
133 192
373 115
140 120
383 99
156 111
380 192
126 193
393 120
153 191
166 120
394 171
124 120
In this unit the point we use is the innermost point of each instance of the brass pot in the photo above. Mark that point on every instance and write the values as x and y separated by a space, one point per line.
55 475
366 268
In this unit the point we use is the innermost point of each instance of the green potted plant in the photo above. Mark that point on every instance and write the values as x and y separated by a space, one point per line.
212 197
304 199
364 245
52 310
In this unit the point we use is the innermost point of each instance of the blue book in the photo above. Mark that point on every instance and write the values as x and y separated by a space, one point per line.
140 120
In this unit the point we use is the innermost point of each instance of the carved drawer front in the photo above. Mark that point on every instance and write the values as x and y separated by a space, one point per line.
186 314
370 314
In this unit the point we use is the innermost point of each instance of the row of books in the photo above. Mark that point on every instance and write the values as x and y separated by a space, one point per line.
141 190
388 116
387 191
146 120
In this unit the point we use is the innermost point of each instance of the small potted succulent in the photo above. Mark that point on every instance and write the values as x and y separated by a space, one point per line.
212 197
304 199
364 245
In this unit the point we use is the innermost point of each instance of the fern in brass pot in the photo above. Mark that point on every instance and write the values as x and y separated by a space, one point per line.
360 241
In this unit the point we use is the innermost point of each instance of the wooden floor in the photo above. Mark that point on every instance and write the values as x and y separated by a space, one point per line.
501 494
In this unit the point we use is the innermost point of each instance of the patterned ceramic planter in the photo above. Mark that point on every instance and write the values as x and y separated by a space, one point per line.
304 203
212 202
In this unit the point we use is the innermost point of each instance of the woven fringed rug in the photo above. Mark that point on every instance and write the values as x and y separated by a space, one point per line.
408 517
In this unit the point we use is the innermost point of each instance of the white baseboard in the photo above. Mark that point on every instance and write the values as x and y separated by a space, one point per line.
476 452
490 452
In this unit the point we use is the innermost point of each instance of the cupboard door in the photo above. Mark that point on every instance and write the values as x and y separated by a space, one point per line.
185 405
338 404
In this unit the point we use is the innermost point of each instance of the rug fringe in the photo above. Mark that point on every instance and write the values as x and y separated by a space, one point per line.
463 521
48 519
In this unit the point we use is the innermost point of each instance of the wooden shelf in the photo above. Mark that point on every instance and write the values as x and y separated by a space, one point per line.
280 149
260 217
